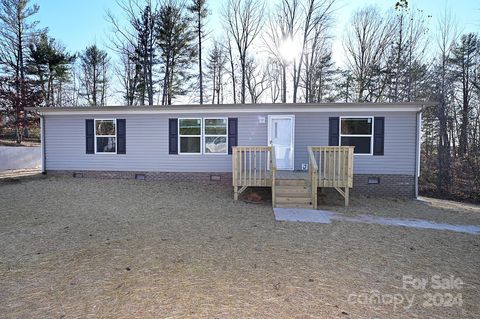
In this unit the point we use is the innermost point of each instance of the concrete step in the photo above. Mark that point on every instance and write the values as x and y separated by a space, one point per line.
291 182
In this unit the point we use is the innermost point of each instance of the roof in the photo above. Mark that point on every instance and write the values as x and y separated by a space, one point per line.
241 108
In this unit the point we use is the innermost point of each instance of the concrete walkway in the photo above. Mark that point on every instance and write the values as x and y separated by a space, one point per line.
326 217
19 157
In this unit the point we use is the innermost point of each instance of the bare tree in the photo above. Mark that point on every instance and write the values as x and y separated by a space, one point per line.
232 67
244 21
274 70
446 35
128 73
282 26
317 15
216 69
463 60
407 69
200 13
366 45
257 80
135 42
318 62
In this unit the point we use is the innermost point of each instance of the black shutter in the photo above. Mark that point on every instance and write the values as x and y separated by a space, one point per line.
121 136
172 136
232 133
378 135
333 131
90 136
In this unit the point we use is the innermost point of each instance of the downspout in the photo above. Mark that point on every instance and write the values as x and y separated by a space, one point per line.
418 134
42 143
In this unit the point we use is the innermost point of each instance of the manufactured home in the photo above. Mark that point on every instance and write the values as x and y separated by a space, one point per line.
365 148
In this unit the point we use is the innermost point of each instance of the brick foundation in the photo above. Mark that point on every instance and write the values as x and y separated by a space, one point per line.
220 178
389 185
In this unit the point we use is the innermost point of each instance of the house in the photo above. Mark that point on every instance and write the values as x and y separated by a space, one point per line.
196 142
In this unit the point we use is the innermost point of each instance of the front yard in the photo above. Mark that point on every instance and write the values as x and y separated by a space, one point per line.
113 248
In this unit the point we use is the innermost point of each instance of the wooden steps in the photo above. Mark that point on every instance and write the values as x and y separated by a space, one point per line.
293 193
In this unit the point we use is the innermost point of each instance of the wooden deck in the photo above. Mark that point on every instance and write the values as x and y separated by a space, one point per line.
329 166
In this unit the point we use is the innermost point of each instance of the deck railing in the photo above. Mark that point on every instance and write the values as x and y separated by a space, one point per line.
253 166
335 167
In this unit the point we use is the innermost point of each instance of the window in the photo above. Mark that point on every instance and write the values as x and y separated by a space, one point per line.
190 135
105 136
357 132
207 136
215 136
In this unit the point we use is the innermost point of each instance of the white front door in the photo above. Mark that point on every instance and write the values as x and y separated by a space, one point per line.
280 135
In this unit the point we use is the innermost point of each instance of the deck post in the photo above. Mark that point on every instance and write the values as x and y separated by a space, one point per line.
235 192
347 196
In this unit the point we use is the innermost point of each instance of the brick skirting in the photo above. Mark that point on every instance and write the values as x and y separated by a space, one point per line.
389 185
221 178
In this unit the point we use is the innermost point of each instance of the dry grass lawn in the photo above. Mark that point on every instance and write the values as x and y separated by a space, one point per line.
90 248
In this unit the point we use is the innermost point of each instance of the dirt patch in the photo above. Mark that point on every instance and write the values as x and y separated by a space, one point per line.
118 249
13 176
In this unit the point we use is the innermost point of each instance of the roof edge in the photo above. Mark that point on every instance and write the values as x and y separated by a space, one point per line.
262 107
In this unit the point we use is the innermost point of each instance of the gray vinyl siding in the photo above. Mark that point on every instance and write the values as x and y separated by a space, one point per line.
147 143
399 154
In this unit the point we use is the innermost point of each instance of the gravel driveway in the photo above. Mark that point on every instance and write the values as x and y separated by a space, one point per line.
121 249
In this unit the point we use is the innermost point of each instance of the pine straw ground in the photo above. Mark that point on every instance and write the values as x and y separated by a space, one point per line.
86 248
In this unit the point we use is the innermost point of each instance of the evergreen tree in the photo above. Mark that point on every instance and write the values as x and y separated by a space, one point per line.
94 65
216 70
144 56
175 41
50 65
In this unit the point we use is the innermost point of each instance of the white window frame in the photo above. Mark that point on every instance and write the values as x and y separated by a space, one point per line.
357 135
205 135
200 136
115 136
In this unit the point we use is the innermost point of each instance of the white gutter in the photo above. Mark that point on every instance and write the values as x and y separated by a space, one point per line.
42 142
418 143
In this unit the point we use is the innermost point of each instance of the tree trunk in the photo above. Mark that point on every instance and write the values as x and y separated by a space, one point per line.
200 55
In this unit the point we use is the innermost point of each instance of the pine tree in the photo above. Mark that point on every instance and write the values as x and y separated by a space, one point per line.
50 65
175 41
94 65
145 54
